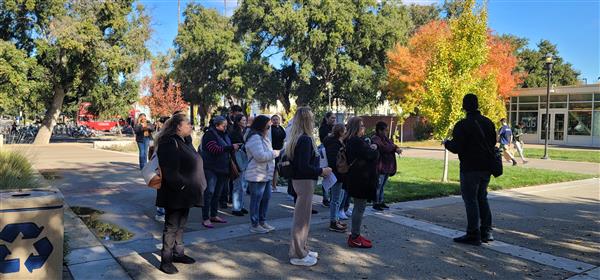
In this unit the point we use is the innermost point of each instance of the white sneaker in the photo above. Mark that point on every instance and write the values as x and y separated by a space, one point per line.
159 218
342 215
267 227
258 229
313 254
306 261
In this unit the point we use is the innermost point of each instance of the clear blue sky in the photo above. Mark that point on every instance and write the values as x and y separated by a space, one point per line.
573 25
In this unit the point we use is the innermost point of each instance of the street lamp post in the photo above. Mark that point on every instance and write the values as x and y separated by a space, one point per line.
548 63
329 90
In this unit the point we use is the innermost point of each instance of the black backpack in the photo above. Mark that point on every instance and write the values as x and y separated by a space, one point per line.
285 168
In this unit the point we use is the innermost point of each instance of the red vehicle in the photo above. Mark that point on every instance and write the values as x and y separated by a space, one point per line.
85 118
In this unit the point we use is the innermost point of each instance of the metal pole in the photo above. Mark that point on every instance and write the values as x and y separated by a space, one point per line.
330 89
178 12
547 113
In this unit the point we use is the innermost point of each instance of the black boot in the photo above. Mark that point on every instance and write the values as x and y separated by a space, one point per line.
377 207
168 268
486 236
469 238
237 213
183 259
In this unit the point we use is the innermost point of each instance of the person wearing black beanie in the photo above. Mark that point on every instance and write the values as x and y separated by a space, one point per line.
472 139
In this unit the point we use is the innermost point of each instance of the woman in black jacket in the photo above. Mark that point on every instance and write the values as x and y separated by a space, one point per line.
301 150
361 180
333 143
216 150
182 186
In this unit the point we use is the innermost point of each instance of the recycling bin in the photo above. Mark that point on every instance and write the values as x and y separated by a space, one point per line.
31 234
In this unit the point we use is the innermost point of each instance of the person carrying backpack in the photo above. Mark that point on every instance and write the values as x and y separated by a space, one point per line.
386 166
333 143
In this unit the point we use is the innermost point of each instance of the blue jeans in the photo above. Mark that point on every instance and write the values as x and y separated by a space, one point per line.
345 201
337 195
473 188
215 183
143 148
260 193
240 186
383 178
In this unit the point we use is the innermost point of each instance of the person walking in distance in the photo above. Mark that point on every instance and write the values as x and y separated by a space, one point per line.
277 140
518 140
386 166
182 186
505 138
472 139
361 180
302 151
216 149
143 132
259 173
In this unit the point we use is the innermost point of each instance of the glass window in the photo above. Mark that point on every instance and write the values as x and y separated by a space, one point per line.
530 119
554 98
580 97
597 105
580 123
596 126
513 99
554 105
597 96
525 107
580 106
513 107
523 99
513 118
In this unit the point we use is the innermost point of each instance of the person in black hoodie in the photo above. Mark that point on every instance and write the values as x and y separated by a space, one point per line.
472 139
216 149
301 150
277 140
361 180
333 143
324 131
182 186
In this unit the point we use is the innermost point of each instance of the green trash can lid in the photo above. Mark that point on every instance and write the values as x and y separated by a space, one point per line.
34 200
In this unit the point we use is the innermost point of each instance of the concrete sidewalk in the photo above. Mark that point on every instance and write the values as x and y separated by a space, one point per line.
543 232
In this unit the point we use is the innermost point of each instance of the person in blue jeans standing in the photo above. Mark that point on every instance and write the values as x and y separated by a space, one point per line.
143 132
241 160
216 150
259 172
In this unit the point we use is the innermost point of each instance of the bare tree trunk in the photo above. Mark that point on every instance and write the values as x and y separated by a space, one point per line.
45 131
445 175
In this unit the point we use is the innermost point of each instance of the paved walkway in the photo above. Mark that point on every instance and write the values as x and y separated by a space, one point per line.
543 232
558 165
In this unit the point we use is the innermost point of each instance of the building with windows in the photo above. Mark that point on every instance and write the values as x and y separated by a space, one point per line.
574 114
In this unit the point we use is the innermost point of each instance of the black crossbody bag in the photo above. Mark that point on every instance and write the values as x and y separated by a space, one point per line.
494 155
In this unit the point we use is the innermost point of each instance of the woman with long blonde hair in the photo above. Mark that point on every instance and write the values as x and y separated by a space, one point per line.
302 152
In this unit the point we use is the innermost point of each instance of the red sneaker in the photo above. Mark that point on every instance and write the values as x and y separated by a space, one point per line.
359 242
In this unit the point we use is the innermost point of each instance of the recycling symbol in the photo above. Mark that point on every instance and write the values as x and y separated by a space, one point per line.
29 231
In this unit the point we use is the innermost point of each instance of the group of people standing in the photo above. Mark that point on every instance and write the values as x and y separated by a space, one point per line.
245 151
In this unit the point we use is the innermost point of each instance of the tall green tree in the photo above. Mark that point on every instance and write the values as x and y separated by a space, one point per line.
422 14
455 71
89 50
209 62
531 62
338 45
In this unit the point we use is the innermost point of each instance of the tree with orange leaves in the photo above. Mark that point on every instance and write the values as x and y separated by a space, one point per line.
164 94
414 79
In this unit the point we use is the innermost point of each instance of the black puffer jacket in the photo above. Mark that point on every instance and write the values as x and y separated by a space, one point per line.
361 180
183 181
332 148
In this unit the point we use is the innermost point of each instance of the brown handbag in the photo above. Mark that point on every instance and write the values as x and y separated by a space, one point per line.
234 172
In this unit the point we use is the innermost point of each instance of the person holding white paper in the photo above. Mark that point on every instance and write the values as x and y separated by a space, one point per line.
332 144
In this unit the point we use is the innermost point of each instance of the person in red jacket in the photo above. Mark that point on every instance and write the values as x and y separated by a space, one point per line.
386 166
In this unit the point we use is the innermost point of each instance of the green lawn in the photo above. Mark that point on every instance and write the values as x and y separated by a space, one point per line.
560 154
419 178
